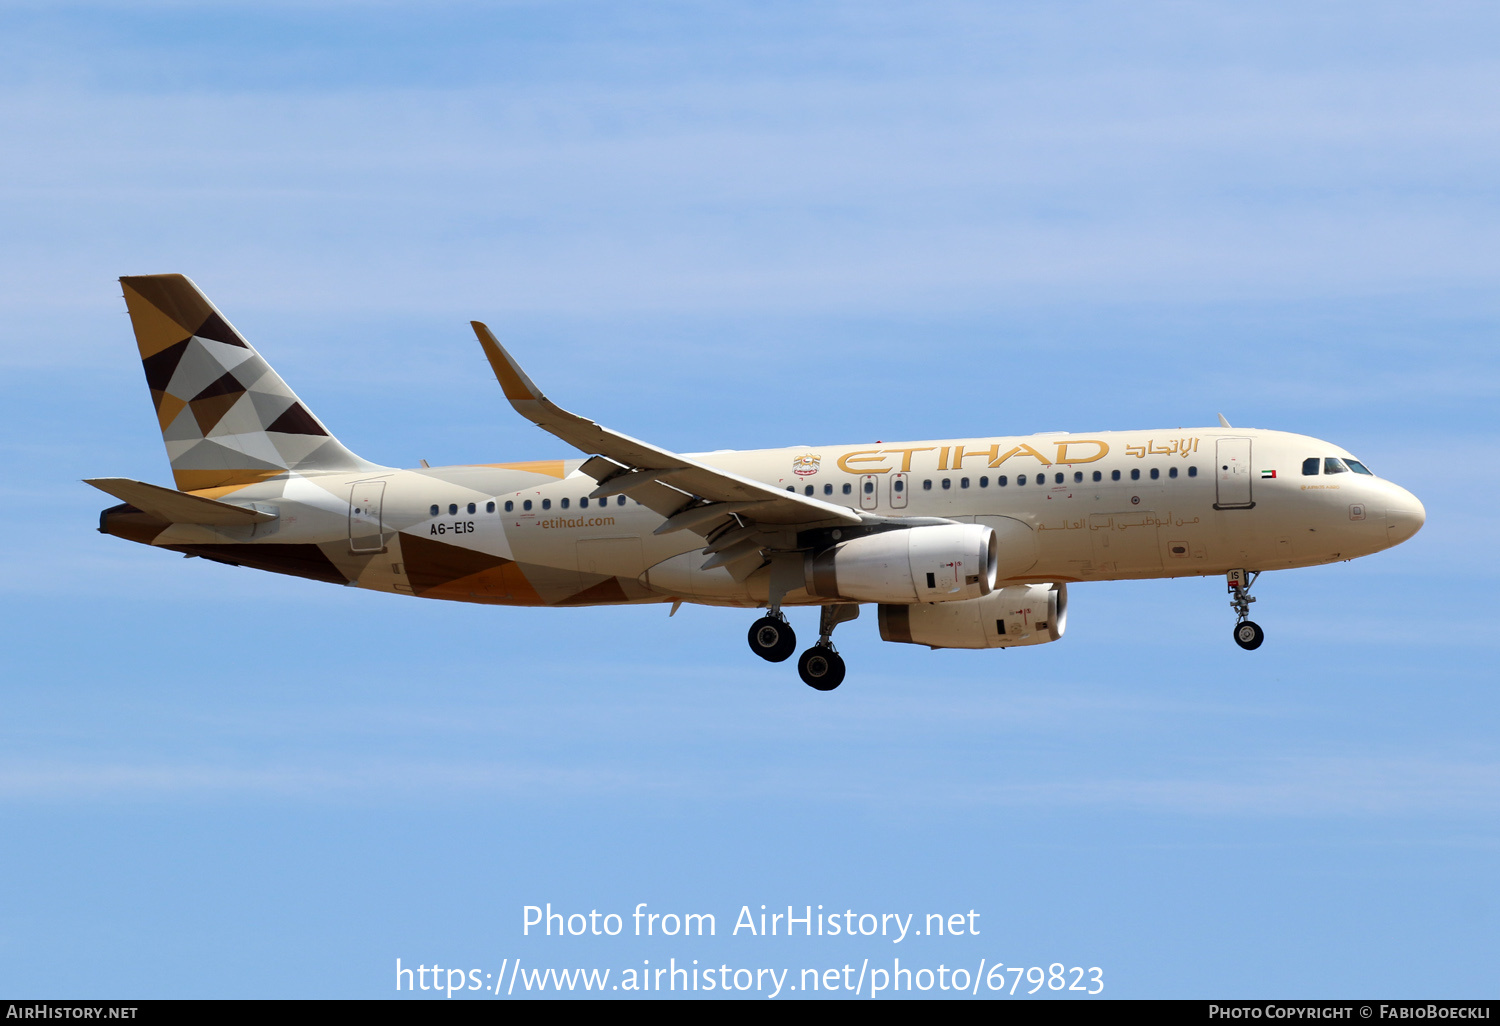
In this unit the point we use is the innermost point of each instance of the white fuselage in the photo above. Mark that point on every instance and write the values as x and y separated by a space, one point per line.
1106 506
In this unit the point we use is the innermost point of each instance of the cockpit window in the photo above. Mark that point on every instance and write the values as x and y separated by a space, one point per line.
1334 465
1358 467
1310 466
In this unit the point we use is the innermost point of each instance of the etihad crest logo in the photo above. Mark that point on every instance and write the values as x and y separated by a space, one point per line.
807 464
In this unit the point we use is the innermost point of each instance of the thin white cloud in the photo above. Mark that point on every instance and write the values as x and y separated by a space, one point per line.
1276 786
815 193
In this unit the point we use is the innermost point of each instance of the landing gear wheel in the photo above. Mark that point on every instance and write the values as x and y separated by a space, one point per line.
821 667
1248 635
772 639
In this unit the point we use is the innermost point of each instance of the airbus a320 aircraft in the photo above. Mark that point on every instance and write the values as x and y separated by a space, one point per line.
959 543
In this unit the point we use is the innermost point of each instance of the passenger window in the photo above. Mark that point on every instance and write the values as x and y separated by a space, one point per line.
792 489
899 485
1020 479
453 509
1192 471
583 503
828 489
472 509
1358 467
984 482
1310 466
563 503
1114 475
489 507
869 487
1057 479
947 483
526 505
620 501
434 511
847 488
509 506
927 485
1172 472
963 482
1098 476
546 504
1001 481
1155 473
1135 475
1334 465
1077 477
808 490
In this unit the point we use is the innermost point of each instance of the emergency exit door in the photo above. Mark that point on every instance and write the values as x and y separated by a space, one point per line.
1232 474
898 490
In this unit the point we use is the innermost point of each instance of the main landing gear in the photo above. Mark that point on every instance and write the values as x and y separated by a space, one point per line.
772 638
820 667
1247 633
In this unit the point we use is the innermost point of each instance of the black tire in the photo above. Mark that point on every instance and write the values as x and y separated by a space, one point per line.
821 668
772 639
1248 635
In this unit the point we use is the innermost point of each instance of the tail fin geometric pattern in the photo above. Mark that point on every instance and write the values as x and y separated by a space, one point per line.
227 418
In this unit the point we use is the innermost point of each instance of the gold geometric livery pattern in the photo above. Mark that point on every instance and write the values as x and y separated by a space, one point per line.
227 418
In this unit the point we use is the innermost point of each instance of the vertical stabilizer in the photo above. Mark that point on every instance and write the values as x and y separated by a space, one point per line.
227 418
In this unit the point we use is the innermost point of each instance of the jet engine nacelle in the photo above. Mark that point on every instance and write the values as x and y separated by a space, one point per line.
935 563
1022 614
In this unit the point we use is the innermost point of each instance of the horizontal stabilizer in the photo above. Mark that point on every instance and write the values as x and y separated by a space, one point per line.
177 507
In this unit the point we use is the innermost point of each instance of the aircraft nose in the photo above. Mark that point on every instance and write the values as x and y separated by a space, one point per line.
1404 518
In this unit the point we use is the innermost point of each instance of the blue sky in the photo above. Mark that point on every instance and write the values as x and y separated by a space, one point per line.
732 226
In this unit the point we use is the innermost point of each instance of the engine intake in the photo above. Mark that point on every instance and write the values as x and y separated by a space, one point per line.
934 563
1022 614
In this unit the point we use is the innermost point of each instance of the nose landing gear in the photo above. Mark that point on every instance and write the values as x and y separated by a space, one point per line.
1247 633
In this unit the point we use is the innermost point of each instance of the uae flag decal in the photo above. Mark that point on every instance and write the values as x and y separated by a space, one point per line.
1268 473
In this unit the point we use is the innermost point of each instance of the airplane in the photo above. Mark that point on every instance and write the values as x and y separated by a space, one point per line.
958 543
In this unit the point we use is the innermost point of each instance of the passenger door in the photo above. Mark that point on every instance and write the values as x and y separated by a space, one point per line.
366 533
1232 474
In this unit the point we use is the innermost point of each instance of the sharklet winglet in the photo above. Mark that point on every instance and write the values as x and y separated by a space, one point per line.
688 476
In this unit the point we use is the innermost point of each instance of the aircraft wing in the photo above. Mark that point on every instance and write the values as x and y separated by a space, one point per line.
691 495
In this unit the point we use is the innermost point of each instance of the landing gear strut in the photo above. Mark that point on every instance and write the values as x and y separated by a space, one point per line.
771 637
1247 633
821 666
